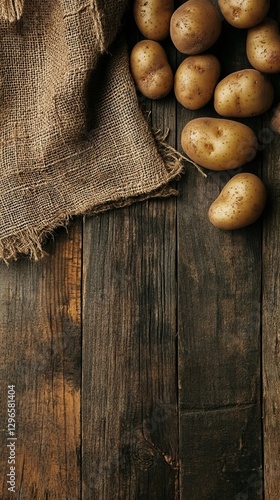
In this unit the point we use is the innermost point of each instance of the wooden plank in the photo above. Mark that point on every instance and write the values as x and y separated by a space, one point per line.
219 310
270 343
40 311
219 357
130 429
271 303
130 434
223 454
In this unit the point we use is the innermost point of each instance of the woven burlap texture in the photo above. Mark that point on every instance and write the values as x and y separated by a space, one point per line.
74 139
11 10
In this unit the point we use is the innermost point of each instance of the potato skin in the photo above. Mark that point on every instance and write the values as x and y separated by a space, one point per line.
275 120
150 69
195 80
195 26
152 17
218 143
243 93
240 203
263 46
244 13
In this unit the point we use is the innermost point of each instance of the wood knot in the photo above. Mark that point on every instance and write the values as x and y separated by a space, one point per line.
143 456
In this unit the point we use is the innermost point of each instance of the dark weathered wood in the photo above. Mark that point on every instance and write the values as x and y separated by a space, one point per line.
135 345
271 303
130 431
220 455
219 279
41 356
219 359
130 434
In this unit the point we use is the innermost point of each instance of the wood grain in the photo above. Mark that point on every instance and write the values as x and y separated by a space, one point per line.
271 300
144 348
219 314
270 342
40 311
130 433
219 357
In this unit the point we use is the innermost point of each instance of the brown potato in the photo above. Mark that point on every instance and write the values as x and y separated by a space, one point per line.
195 26
150 69
218 144
152 17
195 80
244 13
263 46
240 203
243 93
275 120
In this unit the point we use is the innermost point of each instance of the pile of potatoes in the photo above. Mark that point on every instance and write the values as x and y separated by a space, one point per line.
212 143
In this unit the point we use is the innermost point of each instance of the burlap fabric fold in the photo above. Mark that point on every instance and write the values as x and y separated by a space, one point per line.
73 138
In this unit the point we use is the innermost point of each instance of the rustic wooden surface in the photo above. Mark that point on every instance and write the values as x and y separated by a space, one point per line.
144 348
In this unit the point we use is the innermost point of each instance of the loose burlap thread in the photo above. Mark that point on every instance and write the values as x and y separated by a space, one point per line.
73 137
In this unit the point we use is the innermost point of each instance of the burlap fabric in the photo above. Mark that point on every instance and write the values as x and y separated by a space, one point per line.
74 140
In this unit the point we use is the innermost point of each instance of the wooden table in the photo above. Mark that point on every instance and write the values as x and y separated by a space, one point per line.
142 353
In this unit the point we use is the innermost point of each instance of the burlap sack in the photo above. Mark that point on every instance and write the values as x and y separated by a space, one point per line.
74 139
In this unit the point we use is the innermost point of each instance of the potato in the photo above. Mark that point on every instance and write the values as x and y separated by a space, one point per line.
275 120
263 46
150 69
218 144
240 203
152 17
195 26
244 13
195 80
243 93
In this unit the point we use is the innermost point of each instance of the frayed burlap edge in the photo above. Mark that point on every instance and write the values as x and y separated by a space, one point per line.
30 242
